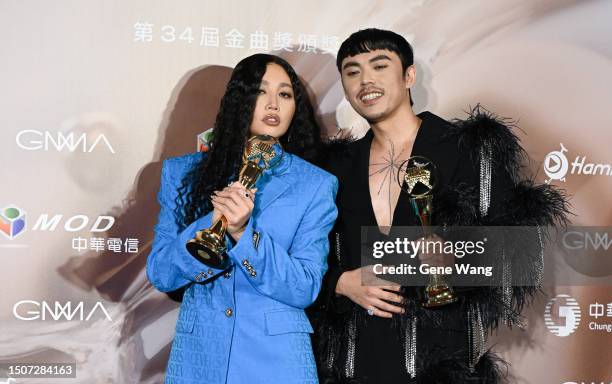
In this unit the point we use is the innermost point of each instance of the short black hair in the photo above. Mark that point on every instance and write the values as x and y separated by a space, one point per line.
367 40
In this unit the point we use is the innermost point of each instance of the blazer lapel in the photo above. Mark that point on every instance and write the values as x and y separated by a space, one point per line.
272 184
269 190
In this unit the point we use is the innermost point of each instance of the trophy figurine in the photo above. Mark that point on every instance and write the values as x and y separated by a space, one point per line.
261 152
419 180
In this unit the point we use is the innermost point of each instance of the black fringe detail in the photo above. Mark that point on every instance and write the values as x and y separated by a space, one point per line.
331 378
492 307
331 334
527 204
437 367
482 126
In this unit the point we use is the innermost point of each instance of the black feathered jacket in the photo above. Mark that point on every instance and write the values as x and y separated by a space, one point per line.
480 160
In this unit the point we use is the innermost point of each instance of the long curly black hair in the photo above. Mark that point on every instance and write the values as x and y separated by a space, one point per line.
220 165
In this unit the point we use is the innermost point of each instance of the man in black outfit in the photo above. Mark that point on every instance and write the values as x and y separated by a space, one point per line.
381 334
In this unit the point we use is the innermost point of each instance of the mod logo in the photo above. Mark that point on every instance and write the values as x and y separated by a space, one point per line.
12 221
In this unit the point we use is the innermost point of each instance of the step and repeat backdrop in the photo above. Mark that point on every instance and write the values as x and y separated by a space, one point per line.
96 94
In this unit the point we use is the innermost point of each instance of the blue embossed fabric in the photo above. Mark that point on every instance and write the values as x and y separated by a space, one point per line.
236 326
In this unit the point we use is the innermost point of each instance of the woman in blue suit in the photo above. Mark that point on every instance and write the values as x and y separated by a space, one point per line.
246 323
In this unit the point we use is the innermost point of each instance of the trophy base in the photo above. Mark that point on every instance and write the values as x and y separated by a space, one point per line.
439 296
209 249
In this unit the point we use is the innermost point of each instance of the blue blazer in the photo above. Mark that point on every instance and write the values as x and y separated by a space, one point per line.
246 324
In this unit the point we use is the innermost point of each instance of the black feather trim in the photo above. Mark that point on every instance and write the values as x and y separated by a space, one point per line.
533 204
338 144
483 126
526 204
438 367
333 149
456 206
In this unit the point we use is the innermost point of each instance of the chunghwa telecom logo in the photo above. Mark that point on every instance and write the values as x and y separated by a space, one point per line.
12 221
567 315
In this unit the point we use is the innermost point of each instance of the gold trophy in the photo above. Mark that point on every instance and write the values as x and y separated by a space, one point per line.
261 152
419 180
